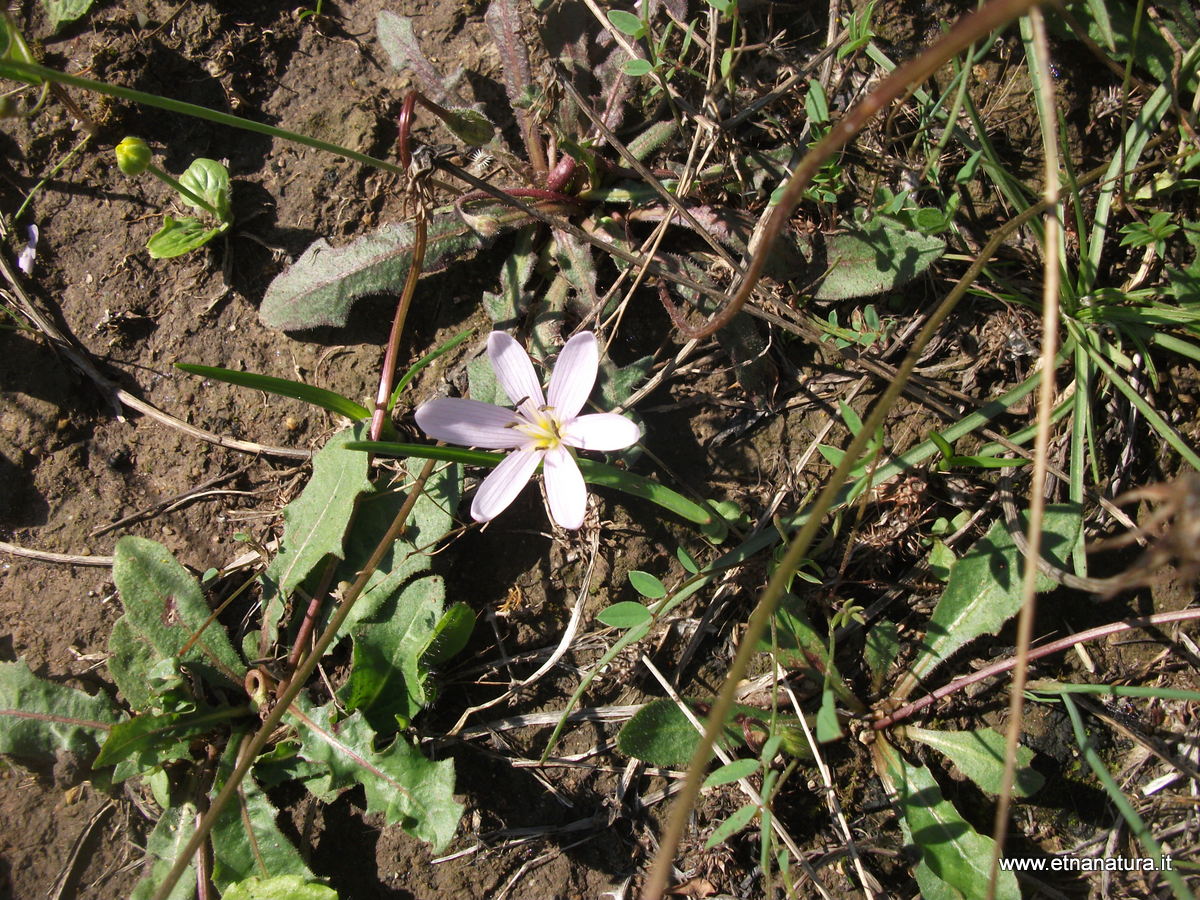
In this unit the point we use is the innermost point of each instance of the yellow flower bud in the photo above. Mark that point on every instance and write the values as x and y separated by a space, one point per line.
133 156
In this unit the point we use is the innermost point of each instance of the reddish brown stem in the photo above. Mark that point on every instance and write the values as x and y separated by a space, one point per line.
1091 634
310 617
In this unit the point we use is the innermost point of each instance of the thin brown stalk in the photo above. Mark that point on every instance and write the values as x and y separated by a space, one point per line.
1041 447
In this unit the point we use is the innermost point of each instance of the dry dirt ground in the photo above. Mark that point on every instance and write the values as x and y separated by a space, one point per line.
70 467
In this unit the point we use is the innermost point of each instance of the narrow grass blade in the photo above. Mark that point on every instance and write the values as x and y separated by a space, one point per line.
423 362
1152 416
1136 824
593 473
282 387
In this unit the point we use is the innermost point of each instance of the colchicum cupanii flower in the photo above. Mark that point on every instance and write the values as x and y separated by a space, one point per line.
544 429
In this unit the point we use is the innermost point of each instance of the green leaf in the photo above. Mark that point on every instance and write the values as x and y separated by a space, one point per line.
315 522
246 840
624 615
686 561
421 363
400 783
451 636
387 678
741 817
166 608
661 735
209 180
469 126
174 829
147 741
733 771
320 287
797 643
984 590
880 649
62 11
979 755
941 560
637 67
828 726
626 23
179 236
647 585
282 387
38 717
408 557
950 848
131 656
281 887
874 258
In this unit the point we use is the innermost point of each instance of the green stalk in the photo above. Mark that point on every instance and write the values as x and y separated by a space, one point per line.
174 184
22 71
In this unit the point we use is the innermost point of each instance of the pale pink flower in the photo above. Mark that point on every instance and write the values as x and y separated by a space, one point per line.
542 430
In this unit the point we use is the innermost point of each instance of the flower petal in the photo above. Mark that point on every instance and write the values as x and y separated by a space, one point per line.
515 373
574 375
601 431
565 490
501 487
469 423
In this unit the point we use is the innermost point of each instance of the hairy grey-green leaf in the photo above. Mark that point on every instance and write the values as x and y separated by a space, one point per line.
130 658
950 848
503 21
652 138
874 258
979 755
63 11
399 782
482 384
575 261
984 590
321 287
165 605
175 827
38 717
508 305
315 522
246 841
405 54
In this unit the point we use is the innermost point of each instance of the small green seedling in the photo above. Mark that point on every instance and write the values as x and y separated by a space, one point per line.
204 186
